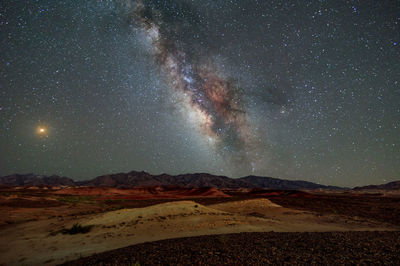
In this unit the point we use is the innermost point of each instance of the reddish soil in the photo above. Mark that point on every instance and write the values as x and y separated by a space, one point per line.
285 193
143 192
377 207
28 203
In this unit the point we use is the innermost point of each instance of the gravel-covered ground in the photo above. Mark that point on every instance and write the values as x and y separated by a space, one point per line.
331 248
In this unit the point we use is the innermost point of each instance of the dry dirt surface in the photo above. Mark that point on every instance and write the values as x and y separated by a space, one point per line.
40 242
34 218
329 248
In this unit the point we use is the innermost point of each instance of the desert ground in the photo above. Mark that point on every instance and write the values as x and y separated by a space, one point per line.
35 222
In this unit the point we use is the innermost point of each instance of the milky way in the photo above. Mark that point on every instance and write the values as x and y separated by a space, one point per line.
213 101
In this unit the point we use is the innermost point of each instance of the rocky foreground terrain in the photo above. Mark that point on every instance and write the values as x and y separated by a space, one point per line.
270 248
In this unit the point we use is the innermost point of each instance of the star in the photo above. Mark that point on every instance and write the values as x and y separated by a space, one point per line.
41 131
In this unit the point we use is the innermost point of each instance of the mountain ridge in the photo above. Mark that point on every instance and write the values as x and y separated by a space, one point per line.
144 179
394 185
35 180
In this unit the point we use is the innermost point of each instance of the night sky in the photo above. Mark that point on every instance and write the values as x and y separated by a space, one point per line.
290 89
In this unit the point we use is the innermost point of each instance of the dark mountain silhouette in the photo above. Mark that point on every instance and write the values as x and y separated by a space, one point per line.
276 183
388 186
35 180
143 179
122 180
134 178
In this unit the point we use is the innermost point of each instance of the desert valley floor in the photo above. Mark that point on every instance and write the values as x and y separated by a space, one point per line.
275 226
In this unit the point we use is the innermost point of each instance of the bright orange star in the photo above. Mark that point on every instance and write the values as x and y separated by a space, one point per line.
41 130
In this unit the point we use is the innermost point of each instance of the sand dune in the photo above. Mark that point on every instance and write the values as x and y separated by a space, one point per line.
244 206
169 209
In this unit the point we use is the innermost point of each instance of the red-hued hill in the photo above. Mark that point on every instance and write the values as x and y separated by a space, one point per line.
143 192
272 193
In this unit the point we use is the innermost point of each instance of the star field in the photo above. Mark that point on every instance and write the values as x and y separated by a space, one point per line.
288 89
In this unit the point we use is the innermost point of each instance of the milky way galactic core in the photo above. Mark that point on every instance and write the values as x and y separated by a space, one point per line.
212 100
